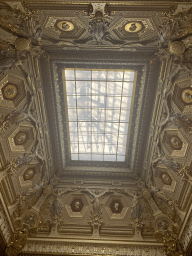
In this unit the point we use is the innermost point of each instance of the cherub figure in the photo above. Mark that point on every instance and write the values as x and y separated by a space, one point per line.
96 199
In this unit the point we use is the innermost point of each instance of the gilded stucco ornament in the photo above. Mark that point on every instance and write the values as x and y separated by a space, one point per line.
96 213
185 174
96 199
172 245
17 242
99 32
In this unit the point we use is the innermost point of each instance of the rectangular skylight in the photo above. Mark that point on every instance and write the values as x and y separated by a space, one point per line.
99 103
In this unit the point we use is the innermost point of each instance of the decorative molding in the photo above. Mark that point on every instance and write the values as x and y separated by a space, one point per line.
91 249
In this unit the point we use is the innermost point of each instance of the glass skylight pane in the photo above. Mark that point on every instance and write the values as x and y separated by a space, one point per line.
110 138
110 149
83 87
115 75
127 88
74 148
126 103
114 88
74 156
99 75
97 157
122 139
99 105
112 115
111 128
69 74
98 114
73 137
124 116
129 76
72 114
98 88
84 114
83 75
85 157
73 126
85 138
109 157
98 101
113 102
98 127
121 150
98 138
97 148
84 148
84 127
83 101
121 158
71 100
70 86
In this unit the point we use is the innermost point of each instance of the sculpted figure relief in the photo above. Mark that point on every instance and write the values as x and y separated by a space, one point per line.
56 207
96 199
99 32
19 116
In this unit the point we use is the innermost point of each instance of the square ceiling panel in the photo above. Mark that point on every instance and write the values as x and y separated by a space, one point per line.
99 104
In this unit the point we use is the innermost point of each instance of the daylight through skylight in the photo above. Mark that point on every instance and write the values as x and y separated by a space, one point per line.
99 104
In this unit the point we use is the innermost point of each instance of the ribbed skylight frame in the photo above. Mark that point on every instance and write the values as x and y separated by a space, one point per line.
99 104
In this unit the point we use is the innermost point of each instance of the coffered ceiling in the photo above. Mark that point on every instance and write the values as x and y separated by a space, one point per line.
95 127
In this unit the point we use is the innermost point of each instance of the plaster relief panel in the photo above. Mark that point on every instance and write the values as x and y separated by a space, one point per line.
165 179
182 97
29 175
174 144
12 91
22 138
77 205
116 207
63 27
133 29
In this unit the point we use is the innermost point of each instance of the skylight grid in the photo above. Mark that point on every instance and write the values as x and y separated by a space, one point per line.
99 103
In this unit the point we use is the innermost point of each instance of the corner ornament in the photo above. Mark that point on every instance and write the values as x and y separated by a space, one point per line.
172 246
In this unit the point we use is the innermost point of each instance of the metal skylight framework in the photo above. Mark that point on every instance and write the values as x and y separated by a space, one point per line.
99 103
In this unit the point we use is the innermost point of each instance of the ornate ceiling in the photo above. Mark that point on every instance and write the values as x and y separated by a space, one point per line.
52 205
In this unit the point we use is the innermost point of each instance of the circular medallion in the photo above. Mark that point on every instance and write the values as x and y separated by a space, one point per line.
48 190
22 44
29 173
76 205
146 194
65 25
187 96
166 178
20 138
177 48
175 143
133 27
162 224
10 91
116 206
